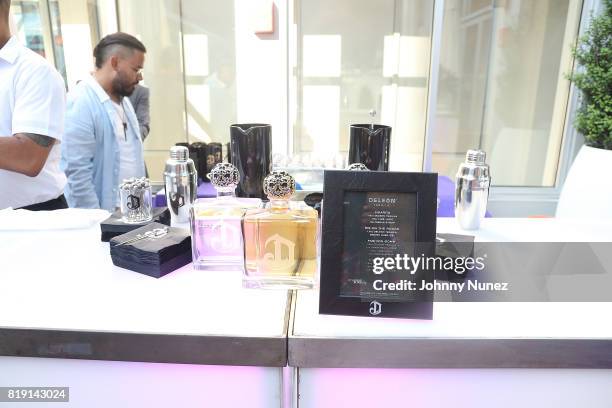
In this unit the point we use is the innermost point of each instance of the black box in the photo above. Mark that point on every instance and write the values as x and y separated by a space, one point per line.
154 256
114 226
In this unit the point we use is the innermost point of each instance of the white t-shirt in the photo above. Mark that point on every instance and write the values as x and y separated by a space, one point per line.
32 100
128 167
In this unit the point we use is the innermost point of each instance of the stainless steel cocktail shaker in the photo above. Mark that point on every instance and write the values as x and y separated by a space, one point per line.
472 190
181 181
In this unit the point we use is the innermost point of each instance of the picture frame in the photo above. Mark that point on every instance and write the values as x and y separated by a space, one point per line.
375 214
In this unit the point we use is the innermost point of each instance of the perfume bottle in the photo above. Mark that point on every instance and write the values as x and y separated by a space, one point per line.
280 240
216 235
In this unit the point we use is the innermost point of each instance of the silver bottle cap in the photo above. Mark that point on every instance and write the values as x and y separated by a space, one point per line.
476 156
224 176
357 167
279 185
180 153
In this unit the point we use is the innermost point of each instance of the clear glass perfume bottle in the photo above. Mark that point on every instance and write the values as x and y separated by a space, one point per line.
280 241
216 236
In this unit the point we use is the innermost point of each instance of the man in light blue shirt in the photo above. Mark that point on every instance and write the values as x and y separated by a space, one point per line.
102 144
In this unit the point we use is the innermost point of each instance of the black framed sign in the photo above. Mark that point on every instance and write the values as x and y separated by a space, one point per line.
375 224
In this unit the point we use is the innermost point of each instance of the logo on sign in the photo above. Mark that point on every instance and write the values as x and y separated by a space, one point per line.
375 308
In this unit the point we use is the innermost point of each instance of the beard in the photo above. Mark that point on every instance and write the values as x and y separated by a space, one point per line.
122 85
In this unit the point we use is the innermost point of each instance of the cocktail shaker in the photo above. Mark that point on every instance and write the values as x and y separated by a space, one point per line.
472 190
181 181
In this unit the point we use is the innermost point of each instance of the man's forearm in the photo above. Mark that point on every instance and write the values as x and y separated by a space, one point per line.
25 153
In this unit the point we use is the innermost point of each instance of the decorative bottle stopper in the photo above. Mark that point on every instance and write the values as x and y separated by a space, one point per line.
279 185
357 167
224 177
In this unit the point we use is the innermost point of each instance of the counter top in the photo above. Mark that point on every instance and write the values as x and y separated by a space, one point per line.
61 296
467 335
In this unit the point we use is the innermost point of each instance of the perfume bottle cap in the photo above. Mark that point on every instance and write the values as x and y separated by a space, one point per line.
279 185
357 167
224 176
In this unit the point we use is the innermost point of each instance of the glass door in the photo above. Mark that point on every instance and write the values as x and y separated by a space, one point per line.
30 22
60 31
502 87
355 56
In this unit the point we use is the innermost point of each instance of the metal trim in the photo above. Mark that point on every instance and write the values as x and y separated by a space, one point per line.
432 91
449 353
139 347
47 31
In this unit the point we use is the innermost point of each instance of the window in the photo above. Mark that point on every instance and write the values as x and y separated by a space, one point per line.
207 67
316 67
64 31
375 57
28 21
502 87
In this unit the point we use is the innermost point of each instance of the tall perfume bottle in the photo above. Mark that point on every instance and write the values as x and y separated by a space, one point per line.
216 235
280 241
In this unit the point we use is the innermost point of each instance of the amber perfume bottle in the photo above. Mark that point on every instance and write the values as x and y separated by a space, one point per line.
216 234
280 241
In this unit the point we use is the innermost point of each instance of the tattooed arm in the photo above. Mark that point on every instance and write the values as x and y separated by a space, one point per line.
25 153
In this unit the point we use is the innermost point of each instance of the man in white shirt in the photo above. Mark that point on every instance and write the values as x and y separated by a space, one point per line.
102 144
32 100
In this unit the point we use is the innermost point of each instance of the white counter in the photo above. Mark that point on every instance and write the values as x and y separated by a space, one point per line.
62 284
466 334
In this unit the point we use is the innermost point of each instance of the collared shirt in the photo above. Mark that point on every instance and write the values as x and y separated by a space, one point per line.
91 150
32 100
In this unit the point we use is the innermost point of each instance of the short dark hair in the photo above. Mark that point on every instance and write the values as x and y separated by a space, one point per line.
109 44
